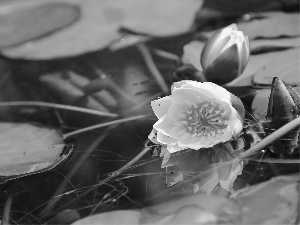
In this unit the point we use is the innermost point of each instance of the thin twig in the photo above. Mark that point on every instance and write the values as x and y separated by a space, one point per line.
166 55
152 68
57 106
87 153
67 135
8 203
272 137
46 211
112 175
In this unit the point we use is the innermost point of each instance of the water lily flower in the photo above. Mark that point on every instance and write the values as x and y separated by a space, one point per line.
196 115
225 55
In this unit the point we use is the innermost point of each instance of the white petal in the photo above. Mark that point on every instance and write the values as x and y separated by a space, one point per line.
189 95
210 184
161 106
166 140
153 136
211 90
238 127
180 83
237 169
232 26
174 148
235 124
164 125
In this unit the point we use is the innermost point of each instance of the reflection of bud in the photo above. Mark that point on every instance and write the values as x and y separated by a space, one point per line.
284 106
225 55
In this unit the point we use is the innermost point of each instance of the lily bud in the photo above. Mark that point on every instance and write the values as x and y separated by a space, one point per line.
225 55
283 107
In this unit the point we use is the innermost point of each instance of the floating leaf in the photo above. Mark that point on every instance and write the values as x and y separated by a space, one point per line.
263 67
260 104
287 24
192 52
115 217
284 66
194 209
177 209
272 202
100 22
67 216
268 45
27 149
26 21
223 8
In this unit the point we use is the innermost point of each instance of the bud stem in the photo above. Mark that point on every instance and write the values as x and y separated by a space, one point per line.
272 137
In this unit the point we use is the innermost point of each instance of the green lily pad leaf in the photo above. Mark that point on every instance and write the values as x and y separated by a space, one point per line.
285 67
260 104
287 24
268 45
263 67
272 202
99 25
192 54
25 21
66 216
27 149
115 217
176 209
222 8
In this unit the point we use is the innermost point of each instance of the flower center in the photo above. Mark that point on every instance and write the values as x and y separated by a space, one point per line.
206 118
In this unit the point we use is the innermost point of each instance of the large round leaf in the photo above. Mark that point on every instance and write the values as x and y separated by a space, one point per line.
273 202
100 22
27 149
25 21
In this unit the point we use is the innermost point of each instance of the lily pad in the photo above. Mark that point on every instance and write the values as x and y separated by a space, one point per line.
225 8
245 207
287 25
284 66
263 67
27 149
100 22
116 217
269 45
25 21
178 209
277 199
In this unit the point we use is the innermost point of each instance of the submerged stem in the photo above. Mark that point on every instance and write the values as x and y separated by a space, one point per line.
152 68
112 175
8 203
57 106
67 135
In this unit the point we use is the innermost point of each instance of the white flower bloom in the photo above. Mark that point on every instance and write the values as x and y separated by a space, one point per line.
196 115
